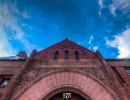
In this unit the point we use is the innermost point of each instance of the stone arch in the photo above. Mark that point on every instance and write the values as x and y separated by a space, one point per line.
87 85
63 89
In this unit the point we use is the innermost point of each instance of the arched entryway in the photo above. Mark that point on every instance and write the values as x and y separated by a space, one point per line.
86 84
66 93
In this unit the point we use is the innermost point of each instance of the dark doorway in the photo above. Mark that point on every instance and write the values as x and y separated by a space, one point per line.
67 96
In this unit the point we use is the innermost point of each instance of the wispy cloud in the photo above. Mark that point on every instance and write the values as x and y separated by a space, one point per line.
101 6
113 9
5 47
91 45
122 43
95 48
120 5
8 19
90 40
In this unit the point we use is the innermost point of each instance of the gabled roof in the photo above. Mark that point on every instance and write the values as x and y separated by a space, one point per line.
68 42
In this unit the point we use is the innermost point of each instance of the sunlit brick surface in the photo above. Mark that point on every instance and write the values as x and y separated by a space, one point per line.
51 82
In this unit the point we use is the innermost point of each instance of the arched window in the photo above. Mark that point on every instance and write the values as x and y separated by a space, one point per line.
4 83
56 54
66 55
76 55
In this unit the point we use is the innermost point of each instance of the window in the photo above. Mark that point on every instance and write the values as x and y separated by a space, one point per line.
128 71
76 55
66 55
56 54
4 83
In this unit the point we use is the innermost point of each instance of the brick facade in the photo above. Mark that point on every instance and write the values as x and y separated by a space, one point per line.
46 73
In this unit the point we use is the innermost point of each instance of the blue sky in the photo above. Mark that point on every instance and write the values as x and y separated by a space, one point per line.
102 25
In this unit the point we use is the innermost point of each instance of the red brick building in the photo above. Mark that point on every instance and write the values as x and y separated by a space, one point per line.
64 71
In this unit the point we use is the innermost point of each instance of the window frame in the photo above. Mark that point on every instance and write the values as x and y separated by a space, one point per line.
66 55
127 69
3 78
4 82
56 55
76 55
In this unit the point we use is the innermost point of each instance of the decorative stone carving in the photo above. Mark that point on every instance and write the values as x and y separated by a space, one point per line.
97 72
30 75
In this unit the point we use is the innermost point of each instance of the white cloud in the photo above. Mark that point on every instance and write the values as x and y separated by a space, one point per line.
9 20
95 48
101 5
122 5
90 40
122 43
5 48
113 8
91 45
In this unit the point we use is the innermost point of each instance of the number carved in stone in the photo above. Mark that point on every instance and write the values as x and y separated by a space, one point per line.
66 95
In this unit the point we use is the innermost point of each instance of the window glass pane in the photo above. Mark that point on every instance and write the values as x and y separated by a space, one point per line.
66 55
56 55
76 55
4 83
128 71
